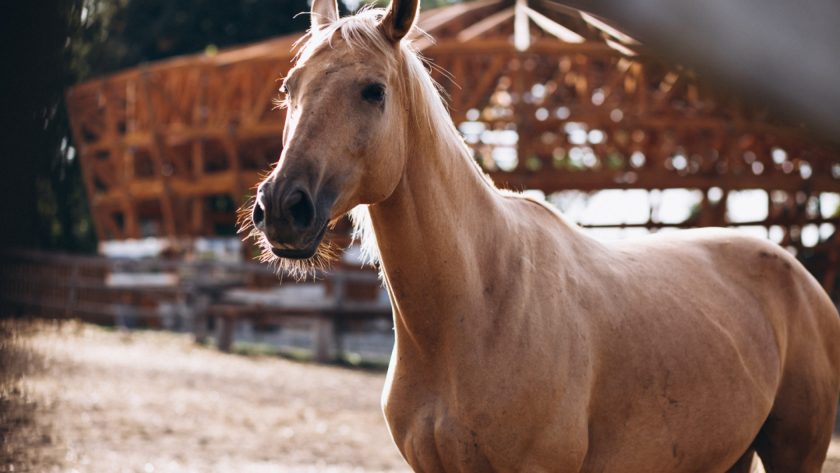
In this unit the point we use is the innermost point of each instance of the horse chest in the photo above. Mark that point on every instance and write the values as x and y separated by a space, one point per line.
433 443
436 433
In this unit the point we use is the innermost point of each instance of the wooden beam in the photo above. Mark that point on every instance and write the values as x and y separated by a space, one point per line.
152 189
457 94
262 101
550 180
131 223
610 30
552 27
486 84
121 167
197 211
599 118
521 33
620 47
694 224
433 21
107 217
494 45
157 152
669 85
439 18
198 161
484 25
232 152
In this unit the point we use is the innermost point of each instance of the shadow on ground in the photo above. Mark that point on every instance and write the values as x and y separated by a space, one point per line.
26 434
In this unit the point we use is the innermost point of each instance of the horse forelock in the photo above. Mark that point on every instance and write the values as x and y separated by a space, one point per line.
360 30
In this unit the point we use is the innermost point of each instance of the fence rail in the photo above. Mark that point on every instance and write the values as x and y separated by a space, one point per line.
188 295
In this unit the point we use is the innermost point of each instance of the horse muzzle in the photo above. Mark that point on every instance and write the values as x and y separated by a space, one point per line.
292 220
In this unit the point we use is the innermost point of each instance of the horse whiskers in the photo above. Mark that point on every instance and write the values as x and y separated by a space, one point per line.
244 223
298 269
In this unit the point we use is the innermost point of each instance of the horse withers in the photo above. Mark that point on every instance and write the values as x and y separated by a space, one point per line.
521 343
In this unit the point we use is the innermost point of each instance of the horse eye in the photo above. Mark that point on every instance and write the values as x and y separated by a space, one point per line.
284 90
374 93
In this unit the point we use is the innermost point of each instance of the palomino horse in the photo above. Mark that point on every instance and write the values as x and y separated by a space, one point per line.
521 343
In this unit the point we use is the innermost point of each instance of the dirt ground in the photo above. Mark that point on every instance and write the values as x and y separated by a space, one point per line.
79 398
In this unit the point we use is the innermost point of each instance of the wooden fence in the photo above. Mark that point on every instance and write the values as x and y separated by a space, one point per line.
187 296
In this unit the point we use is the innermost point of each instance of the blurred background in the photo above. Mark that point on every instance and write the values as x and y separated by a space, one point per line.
134 129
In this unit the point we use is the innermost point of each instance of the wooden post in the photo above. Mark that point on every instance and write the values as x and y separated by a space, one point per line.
72 291
325 339
199 148
235 166
123 171
224 331
199 322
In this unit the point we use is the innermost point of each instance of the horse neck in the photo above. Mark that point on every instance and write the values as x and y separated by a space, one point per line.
431 233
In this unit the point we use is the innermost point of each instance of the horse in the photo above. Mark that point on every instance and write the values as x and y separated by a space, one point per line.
521 343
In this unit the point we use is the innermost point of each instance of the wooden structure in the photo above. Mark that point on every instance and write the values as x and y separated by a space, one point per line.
549 98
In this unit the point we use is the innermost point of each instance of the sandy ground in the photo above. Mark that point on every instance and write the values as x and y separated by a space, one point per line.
81 398
78 398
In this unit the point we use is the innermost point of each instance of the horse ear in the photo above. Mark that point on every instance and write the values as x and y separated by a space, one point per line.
399 19
323 13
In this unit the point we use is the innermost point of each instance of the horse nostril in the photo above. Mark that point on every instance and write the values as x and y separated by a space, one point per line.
258 217
300 209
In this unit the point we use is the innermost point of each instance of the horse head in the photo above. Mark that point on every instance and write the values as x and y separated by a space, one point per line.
344 136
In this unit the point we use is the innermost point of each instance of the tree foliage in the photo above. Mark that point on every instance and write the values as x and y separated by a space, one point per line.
42 202
116 34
